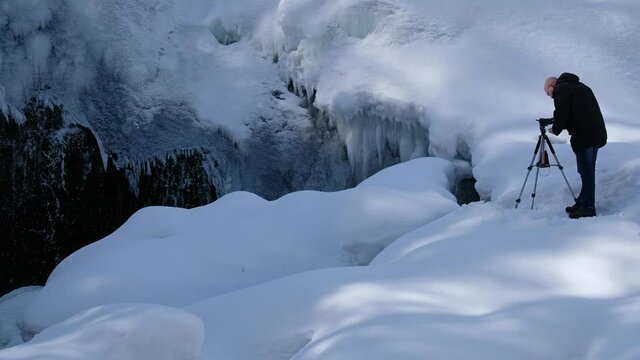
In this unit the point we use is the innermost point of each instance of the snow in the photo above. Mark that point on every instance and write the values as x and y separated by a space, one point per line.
176 256
502 282
461 80
120 331
483 279
12 306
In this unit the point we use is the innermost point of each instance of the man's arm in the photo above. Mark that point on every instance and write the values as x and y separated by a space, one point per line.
562 102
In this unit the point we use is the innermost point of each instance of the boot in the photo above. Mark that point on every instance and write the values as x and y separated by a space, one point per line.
570 209
583 212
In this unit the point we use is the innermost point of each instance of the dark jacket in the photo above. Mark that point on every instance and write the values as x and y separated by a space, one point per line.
578 112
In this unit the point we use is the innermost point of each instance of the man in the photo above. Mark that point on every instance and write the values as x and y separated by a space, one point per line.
577 111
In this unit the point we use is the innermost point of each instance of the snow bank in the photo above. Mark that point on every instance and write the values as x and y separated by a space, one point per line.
481 282
12 306
118 332
176 257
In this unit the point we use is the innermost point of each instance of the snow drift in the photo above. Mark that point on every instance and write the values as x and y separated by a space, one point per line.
176 257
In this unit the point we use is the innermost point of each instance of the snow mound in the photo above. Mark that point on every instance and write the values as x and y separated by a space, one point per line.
176 257
12 306
118 332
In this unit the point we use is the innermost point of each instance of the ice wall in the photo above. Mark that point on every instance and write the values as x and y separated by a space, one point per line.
40 47
154 77
151 77
152 59
336 61
377 130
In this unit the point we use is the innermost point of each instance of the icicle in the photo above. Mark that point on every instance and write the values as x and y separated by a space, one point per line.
3 105
375 139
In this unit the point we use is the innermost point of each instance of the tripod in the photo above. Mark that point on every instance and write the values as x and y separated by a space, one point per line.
543 162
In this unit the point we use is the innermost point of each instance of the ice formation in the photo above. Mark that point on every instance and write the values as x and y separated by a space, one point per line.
374 141
3 104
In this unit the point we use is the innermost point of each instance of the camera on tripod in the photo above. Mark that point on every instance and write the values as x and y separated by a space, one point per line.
545 121
540 153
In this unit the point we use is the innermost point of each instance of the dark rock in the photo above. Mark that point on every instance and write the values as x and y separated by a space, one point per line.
56 195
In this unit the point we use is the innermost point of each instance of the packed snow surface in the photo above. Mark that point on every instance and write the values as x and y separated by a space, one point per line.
275 280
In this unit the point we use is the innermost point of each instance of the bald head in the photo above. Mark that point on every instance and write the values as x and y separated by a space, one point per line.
549 85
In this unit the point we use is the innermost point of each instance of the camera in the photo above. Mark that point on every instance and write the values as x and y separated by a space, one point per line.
545 122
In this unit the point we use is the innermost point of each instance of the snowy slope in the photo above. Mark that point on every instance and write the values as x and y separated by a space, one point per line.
484 281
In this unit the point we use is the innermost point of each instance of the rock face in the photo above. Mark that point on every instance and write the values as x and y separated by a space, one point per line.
56 195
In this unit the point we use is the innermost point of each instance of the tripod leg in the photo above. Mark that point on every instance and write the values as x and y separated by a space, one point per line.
535 184
535 187
535 152
546 138
525 181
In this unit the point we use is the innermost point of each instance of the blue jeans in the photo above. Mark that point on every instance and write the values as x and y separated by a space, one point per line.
586 160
